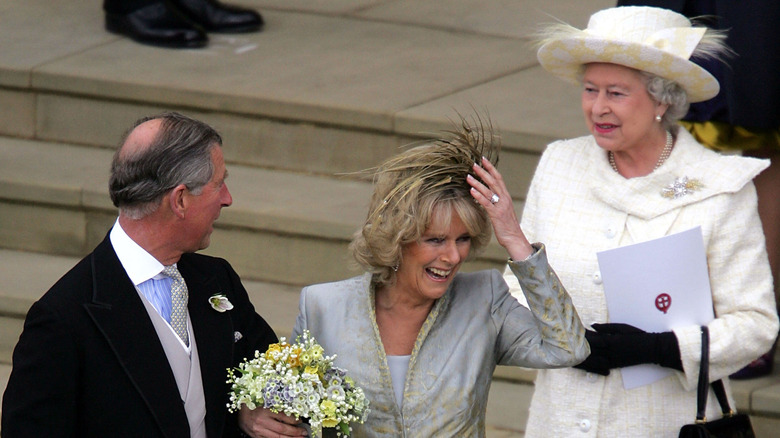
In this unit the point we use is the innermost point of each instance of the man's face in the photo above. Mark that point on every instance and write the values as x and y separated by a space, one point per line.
204 208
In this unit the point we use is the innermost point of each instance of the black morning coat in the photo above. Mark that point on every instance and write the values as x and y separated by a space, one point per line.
89 362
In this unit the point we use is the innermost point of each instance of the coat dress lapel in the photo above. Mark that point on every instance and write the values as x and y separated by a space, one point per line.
651 214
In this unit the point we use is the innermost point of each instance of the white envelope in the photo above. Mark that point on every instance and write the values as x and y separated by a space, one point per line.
656 286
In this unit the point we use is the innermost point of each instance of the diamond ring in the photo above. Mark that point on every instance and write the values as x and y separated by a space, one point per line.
494 198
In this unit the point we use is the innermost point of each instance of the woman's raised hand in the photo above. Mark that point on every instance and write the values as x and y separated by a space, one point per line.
495 198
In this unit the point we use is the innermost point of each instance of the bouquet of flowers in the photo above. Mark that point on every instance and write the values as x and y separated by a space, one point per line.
299 380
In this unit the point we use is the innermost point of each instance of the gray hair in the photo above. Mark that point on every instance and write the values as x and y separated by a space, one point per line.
667 92
179 154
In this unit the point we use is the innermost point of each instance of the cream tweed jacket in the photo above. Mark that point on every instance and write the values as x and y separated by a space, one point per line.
579 206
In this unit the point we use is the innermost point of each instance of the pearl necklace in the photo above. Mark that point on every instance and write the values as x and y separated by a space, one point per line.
664 154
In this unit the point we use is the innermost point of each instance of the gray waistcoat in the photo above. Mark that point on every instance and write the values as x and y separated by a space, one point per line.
186 370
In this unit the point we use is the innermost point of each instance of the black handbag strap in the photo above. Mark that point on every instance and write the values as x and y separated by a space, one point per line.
704 377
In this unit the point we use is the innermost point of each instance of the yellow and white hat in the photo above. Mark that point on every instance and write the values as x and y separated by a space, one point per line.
655 40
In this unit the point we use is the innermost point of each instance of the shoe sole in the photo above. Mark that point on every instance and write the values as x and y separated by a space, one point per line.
117 27
245 29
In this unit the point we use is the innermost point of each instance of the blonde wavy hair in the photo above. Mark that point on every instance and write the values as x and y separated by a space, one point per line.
421 183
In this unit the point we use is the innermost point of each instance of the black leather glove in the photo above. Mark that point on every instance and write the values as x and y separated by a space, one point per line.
622 345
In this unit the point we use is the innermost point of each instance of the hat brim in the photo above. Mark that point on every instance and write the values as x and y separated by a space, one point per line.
564 58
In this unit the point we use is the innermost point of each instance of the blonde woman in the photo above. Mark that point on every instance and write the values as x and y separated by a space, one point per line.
420 337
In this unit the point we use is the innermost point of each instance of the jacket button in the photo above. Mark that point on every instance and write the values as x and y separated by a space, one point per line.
597 277
584 425
609 232
591 377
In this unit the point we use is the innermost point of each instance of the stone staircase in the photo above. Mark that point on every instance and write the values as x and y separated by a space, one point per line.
326 90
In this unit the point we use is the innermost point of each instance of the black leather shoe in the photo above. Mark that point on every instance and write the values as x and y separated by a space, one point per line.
214 16
156 25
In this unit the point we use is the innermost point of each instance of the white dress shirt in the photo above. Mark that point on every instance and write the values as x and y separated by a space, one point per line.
145 272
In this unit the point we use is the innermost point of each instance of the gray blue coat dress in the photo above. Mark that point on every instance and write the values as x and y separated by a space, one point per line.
472 328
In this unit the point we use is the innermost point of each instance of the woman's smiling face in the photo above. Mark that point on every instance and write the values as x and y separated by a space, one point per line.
430 264
618 110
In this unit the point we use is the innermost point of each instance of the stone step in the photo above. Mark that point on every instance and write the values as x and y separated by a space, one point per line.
283 227
314 92
5 372
302 107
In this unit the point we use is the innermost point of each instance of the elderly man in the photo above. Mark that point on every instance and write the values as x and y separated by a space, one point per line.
135 340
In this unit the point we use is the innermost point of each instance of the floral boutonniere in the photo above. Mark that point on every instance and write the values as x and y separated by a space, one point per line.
220 303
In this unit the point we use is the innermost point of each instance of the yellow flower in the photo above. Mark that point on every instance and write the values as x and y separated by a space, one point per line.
328 408
316 352
310 370
329 422
272 349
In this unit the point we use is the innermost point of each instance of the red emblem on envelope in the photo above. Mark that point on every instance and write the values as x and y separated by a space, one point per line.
663 302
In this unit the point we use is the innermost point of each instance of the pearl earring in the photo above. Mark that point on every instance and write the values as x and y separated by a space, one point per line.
657 117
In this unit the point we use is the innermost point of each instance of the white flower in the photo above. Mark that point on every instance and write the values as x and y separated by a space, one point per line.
220 303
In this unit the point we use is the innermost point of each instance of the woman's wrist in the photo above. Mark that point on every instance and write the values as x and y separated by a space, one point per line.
523 252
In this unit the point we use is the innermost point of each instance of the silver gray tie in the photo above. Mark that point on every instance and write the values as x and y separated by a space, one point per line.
178 303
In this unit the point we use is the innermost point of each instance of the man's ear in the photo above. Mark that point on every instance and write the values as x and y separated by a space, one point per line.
177 200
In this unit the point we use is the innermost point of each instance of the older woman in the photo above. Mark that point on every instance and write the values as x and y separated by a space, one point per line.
638 177
421 338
